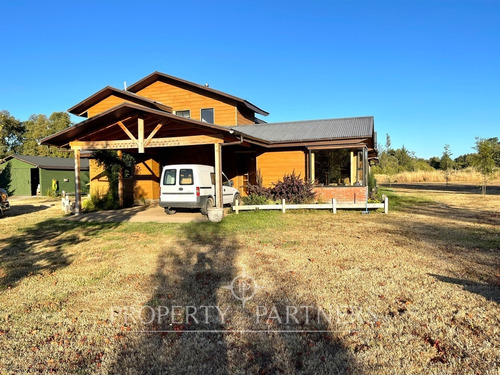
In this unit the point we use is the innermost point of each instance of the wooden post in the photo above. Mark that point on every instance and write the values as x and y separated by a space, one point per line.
237 207
353 169
283 205
334 205
120 179
140 135
218 176
78 196
312 168
386 204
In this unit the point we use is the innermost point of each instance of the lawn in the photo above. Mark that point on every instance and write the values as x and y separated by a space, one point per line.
414 291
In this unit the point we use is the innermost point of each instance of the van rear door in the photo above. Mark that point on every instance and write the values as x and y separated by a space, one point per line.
178 185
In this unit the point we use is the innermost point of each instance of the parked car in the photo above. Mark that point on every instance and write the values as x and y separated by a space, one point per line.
193 186
4 201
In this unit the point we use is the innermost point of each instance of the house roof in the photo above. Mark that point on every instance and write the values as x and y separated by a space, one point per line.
46 162
313 130
92 100
158 76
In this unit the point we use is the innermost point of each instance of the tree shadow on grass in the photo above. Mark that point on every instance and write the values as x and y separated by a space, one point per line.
41 248
22 209
488 291
198 271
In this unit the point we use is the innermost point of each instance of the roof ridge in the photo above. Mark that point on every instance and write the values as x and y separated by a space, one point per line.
302 121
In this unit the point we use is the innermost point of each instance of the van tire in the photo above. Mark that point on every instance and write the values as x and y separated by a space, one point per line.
208 203
169 211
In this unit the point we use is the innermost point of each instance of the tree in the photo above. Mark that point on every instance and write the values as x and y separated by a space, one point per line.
484 159
41 126
446 163
11 134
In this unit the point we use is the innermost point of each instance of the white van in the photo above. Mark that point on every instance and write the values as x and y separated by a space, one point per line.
192 186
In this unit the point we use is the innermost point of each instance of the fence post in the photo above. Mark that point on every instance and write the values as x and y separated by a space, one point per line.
334 205
386 204
283 205
237 209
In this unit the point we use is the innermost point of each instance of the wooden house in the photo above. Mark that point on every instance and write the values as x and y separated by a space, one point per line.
163 120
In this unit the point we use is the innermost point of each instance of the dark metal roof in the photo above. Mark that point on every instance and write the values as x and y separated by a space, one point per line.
313 130
156 76
85 104
46 162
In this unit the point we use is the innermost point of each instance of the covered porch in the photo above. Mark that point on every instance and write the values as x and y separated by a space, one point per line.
154 138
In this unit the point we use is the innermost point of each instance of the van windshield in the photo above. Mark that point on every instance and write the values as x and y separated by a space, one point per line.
169 177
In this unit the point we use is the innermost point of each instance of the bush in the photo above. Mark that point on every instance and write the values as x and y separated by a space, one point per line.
96 203
255 199
293 189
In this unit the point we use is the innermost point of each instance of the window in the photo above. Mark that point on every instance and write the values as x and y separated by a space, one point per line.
186 177
169 177
186 113
207 115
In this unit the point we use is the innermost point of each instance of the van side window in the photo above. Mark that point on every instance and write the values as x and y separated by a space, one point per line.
186 177
169 177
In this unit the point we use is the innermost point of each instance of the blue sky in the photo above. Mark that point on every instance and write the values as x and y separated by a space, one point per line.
428 70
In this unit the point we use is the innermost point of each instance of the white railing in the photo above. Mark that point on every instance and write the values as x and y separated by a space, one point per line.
333 206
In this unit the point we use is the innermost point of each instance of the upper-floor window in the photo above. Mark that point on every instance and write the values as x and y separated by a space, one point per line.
207 115
185 113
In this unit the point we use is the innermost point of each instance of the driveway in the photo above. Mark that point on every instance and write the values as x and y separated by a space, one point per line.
141 214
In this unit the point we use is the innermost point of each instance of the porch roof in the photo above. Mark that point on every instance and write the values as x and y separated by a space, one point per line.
102 126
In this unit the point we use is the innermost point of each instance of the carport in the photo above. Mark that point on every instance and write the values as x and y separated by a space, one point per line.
136 128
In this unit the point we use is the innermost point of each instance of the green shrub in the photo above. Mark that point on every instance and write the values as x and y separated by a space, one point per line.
255 199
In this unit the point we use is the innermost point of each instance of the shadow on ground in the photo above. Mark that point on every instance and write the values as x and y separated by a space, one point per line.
197 272
488 291
23 209
41 248
457 188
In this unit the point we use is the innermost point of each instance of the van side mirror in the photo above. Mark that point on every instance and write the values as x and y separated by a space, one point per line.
231 183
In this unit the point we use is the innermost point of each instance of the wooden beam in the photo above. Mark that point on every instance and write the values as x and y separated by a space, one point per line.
124 128
154 142
140 135
155 130
78 196
218 176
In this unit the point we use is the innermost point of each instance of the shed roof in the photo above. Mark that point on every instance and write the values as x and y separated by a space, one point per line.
46 162
312 130
158 76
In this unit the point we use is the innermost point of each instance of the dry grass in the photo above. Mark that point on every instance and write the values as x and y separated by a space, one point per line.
415 291
467 175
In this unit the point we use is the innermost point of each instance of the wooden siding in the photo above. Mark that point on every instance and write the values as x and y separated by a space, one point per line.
272 166
180 99
145 183
245 117
105 104
147 180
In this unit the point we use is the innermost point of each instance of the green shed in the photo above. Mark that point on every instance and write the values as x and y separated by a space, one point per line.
25 174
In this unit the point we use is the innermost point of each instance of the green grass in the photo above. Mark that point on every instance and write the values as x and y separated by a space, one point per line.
402 202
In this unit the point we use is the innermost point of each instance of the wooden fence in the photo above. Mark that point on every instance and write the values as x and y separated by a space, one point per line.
333 206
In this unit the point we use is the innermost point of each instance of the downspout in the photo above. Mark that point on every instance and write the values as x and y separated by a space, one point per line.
234 143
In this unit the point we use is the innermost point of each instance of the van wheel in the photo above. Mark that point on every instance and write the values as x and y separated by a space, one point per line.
236 198
208 203
169 211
